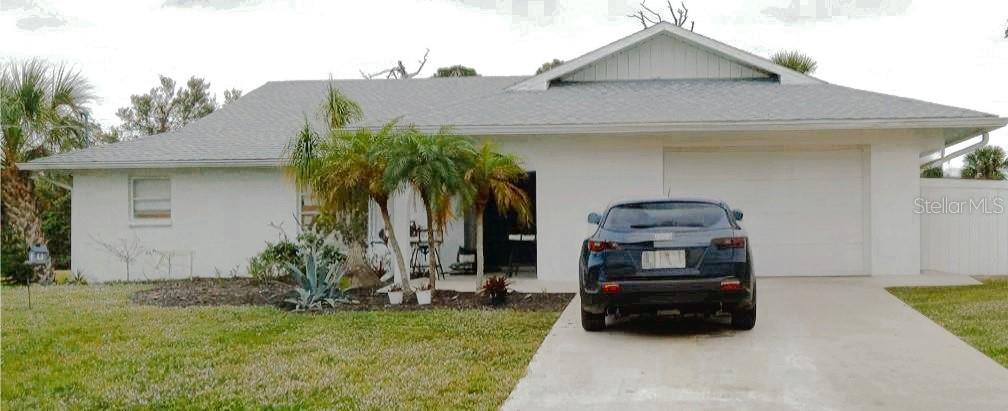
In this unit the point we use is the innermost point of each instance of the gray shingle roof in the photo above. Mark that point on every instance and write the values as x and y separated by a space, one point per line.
257 126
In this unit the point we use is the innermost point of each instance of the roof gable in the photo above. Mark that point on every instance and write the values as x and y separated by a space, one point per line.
665 51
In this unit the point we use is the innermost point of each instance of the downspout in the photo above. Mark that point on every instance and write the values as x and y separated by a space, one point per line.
944 158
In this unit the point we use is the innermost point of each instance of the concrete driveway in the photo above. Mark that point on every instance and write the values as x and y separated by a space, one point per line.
832 343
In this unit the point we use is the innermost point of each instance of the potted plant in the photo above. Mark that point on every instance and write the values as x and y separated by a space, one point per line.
496 288
395 294
424 294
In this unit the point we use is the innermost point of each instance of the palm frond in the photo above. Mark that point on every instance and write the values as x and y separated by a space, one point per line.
795 60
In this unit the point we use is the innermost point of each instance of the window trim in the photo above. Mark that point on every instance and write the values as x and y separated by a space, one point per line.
149 221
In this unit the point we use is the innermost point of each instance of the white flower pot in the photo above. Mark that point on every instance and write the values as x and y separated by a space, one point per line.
395 297
423 297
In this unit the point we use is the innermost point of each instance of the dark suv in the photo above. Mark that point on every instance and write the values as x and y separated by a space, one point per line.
685 255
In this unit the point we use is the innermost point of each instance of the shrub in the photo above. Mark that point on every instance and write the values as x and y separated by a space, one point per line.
317 288
933 172
271 263
496 288
13 254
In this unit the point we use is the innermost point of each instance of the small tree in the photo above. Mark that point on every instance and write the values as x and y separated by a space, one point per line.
126 251
493 176
434 165
795 60
986 163
457 70
347 167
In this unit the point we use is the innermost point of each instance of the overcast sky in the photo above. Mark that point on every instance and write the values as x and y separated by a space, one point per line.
951 52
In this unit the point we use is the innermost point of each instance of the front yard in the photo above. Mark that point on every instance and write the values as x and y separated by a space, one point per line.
89 347
978 313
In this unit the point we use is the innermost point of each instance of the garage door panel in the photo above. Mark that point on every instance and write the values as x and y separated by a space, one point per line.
804 210
807 259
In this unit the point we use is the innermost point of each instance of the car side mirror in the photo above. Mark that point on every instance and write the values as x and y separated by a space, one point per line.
738 214
594 218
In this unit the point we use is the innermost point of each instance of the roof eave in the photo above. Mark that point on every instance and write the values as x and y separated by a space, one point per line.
982 124
985 123
104 165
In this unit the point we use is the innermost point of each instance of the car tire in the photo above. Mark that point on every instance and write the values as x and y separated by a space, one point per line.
591 321
744 319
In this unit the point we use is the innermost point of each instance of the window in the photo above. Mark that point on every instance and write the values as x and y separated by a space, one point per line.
151 198
309 208
643 216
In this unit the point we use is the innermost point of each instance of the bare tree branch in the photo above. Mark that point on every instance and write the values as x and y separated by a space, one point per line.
679 16
399 70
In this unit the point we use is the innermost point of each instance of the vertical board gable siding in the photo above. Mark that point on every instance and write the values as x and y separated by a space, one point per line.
664 57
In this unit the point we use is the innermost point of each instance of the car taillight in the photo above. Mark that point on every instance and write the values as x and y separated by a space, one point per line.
731 284
610 288
729 242
597 246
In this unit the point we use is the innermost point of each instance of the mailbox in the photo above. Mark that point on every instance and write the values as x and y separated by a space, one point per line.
38 254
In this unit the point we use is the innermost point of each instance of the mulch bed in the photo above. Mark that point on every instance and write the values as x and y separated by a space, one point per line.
245 291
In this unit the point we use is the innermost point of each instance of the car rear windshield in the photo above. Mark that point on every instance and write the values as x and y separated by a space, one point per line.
643 216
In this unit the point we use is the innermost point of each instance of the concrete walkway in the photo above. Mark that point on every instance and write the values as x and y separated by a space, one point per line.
823 344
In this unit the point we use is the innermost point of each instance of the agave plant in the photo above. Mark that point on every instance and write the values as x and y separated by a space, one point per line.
315 289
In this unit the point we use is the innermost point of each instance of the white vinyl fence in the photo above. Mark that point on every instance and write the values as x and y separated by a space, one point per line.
964 226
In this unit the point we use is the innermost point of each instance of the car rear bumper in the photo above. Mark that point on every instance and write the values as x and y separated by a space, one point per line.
687 295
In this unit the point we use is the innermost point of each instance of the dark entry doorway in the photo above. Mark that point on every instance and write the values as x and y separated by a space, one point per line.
505 241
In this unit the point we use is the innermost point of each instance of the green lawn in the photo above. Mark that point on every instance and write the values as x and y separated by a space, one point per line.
87 347
977 313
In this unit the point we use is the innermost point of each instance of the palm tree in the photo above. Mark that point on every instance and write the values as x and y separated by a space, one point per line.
493 177
795 60
434 166
44 110
986 163
347 168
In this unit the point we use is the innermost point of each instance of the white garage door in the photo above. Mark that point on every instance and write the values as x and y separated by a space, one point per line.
803 209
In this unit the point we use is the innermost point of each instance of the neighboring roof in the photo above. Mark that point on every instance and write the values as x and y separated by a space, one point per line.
254 130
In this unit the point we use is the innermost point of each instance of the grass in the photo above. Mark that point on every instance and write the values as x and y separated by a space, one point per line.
88 347
976 313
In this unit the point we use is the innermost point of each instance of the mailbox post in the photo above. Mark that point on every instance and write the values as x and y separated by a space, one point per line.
38 256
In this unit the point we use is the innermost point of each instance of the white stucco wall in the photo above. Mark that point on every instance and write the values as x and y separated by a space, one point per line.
579 174
220 217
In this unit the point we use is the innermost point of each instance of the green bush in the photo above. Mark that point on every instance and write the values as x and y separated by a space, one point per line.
13 254
272 263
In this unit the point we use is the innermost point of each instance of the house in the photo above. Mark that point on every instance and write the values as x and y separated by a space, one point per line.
827 175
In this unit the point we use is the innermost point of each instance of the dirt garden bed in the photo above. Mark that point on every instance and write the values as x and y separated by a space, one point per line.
245 291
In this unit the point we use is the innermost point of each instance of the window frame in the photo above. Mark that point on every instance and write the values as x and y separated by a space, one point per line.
153 220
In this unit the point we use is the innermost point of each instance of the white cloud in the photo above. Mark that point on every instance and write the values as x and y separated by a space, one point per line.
929 49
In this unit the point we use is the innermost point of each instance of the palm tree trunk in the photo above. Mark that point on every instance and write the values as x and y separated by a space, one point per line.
431 245
479 243
394 245
21 211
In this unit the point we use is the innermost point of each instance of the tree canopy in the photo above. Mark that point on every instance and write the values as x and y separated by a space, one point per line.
457 70
168 107
547 66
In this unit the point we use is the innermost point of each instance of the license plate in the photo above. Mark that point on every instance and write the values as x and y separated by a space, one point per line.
658 259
